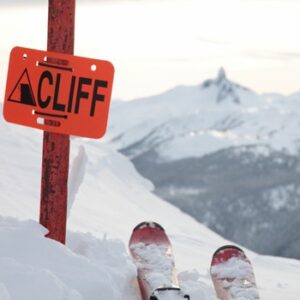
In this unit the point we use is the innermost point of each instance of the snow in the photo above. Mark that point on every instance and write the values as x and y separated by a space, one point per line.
233 268
158 260
237 277
34 267
107 198
192 121
76 176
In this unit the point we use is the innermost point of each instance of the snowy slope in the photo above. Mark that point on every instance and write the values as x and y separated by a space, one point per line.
107 199
220 151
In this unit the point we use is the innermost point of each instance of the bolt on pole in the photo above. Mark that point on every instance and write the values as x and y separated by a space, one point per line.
56 147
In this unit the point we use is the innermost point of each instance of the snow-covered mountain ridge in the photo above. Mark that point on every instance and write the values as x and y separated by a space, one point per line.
216 147
215 115
107 198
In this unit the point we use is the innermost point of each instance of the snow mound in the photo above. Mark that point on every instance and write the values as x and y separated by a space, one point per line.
41 268
84 269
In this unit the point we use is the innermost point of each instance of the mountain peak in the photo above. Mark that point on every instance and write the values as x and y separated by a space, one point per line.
221 74
225 88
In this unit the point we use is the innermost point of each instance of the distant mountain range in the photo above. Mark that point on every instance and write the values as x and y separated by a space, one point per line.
222 153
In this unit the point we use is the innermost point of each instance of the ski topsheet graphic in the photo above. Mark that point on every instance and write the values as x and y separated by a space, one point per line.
151 250
233 275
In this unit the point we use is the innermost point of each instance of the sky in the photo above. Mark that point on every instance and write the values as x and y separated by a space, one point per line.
156 45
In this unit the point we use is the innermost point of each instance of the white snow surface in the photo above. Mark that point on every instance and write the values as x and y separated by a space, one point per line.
237 277
107 198
158 262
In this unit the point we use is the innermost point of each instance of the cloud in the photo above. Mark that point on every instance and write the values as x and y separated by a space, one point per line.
275 55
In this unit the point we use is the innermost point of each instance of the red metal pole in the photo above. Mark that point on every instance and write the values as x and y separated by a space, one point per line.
55 164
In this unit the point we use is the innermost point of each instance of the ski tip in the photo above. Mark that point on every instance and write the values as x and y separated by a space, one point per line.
228 247
226 252
148 224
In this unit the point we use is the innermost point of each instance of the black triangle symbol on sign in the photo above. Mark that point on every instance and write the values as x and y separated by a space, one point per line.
22 92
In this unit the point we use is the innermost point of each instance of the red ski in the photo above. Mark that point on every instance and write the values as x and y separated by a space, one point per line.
151 250
232 275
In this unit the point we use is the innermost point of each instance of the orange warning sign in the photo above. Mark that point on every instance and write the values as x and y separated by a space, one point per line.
58 92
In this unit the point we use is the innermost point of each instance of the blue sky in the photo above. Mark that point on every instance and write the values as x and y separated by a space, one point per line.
156 45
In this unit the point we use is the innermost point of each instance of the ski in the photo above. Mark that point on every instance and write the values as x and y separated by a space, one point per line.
232 275
151 251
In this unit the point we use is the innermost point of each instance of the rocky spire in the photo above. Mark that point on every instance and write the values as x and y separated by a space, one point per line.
226 88
221 75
